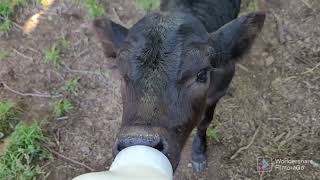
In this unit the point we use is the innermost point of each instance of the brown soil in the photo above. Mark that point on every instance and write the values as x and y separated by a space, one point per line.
276 88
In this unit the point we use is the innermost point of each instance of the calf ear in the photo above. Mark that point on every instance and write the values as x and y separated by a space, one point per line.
110 35
234 39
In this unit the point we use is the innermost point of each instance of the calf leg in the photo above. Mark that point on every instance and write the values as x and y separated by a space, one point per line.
199 145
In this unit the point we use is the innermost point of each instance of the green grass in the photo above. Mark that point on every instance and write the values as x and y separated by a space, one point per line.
253 6
148 5
44 3
5 25
4 55
8 118
63 43
23 152
95 8
62 107
72 85
213 134
53 55
7 10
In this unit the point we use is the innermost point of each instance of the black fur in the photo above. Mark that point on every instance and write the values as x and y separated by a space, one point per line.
160 59
212 13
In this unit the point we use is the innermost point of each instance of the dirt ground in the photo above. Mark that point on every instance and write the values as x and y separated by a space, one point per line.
275 94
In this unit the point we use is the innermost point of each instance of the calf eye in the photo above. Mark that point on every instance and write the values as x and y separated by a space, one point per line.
202 76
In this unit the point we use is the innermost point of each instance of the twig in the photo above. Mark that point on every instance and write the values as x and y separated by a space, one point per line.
247 146
276 139
82 53
312 69
289 137
84 72
32 49
17 26
2 84
68 69
21 54
307 4
243 67
62 118
68 159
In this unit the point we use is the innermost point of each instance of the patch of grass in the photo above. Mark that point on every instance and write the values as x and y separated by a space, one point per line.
8 118
61 107
4 55
53 55
213 134
5 24
253 6
72 85
7 9
23 152
148 5
63 43
95 8
44 3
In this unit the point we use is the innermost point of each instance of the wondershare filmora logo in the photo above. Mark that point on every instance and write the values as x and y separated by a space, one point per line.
264 164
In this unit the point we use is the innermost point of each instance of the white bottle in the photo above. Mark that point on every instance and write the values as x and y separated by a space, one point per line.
135 163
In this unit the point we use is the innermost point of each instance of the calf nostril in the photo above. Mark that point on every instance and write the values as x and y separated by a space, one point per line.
159 146
120 147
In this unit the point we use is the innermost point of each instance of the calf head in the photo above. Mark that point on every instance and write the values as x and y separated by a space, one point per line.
172 68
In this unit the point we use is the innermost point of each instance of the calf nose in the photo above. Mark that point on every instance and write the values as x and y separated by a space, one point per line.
154 141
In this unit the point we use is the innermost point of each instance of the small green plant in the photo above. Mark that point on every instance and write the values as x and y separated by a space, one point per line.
53 55
61 107
24 150
7 8
213 134
8 118
5 24
63 43
148 5
4 55
95 9
44 3
72 85
253 6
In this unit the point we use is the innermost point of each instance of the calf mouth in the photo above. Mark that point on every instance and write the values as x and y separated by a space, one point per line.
155 137
155 143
